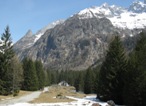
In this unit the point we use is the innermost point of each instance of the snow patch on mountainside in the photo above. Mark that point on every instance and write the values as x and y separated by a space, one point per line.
43 30
137 7
38 36
131 18
102 11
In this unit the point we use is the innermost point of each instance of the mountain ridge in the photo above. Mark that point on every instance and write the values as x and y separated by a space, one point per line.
130 18
82 39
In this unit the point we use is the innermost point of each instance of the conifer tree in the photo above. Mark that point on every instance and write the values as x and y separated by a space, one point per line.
30 77
89 82
96 79
79 82
53 78
135 84
6 55
17 74
47 78
111 76
40 74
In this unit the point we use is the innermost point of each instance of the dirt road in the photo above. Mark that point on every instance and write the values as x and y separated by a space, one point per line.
25 98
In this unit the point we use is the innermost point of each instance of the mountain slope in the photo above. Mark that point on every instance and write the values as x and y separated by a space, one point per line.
81 40
29 38
74 44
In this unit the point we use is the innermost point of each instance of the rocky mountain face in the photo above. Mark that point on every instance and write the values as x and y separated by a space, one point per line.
29 38
81 40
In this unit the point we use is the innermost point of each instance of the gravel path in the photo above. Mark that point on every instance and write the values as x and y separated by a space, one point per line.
22 99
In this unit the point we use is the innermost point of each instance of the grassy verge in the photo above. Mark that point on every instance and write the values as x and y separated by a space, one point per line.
58 94
21 93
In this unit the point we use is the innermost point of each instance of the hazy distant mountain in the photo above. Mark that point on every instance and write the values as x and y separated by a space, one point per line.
82 39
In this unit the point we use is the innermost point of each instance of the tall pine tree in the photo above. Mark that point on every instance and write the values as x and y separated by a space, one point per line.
6 55
47 77
30 82
135 84
89 82
17 74
111 75
79 82
40 74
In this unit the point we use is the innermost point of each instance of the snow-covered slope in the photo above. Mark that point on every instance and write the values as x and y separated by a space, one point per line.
43 30
137 7
131 18
103 10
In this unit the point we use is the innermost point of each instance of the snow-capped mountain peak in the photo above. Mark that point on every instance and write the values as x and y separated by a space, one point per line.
85 34
101 11
104 5
137 7
133 17
87 13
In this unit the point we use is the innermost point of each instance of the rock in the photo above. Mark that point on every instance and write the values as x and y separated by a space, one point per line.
60 96
96 104
63 83
111 103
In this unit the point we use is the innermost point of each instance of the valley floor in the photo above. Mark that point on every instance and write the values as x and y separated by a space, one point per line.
30 100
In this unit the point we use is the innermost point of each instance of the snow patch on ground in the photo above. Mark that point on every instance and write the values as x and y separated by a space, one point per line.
46 89
87 101
23 101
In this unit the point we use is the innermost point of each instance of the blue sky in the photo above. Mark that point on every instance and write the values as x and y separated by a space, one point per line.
22 15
